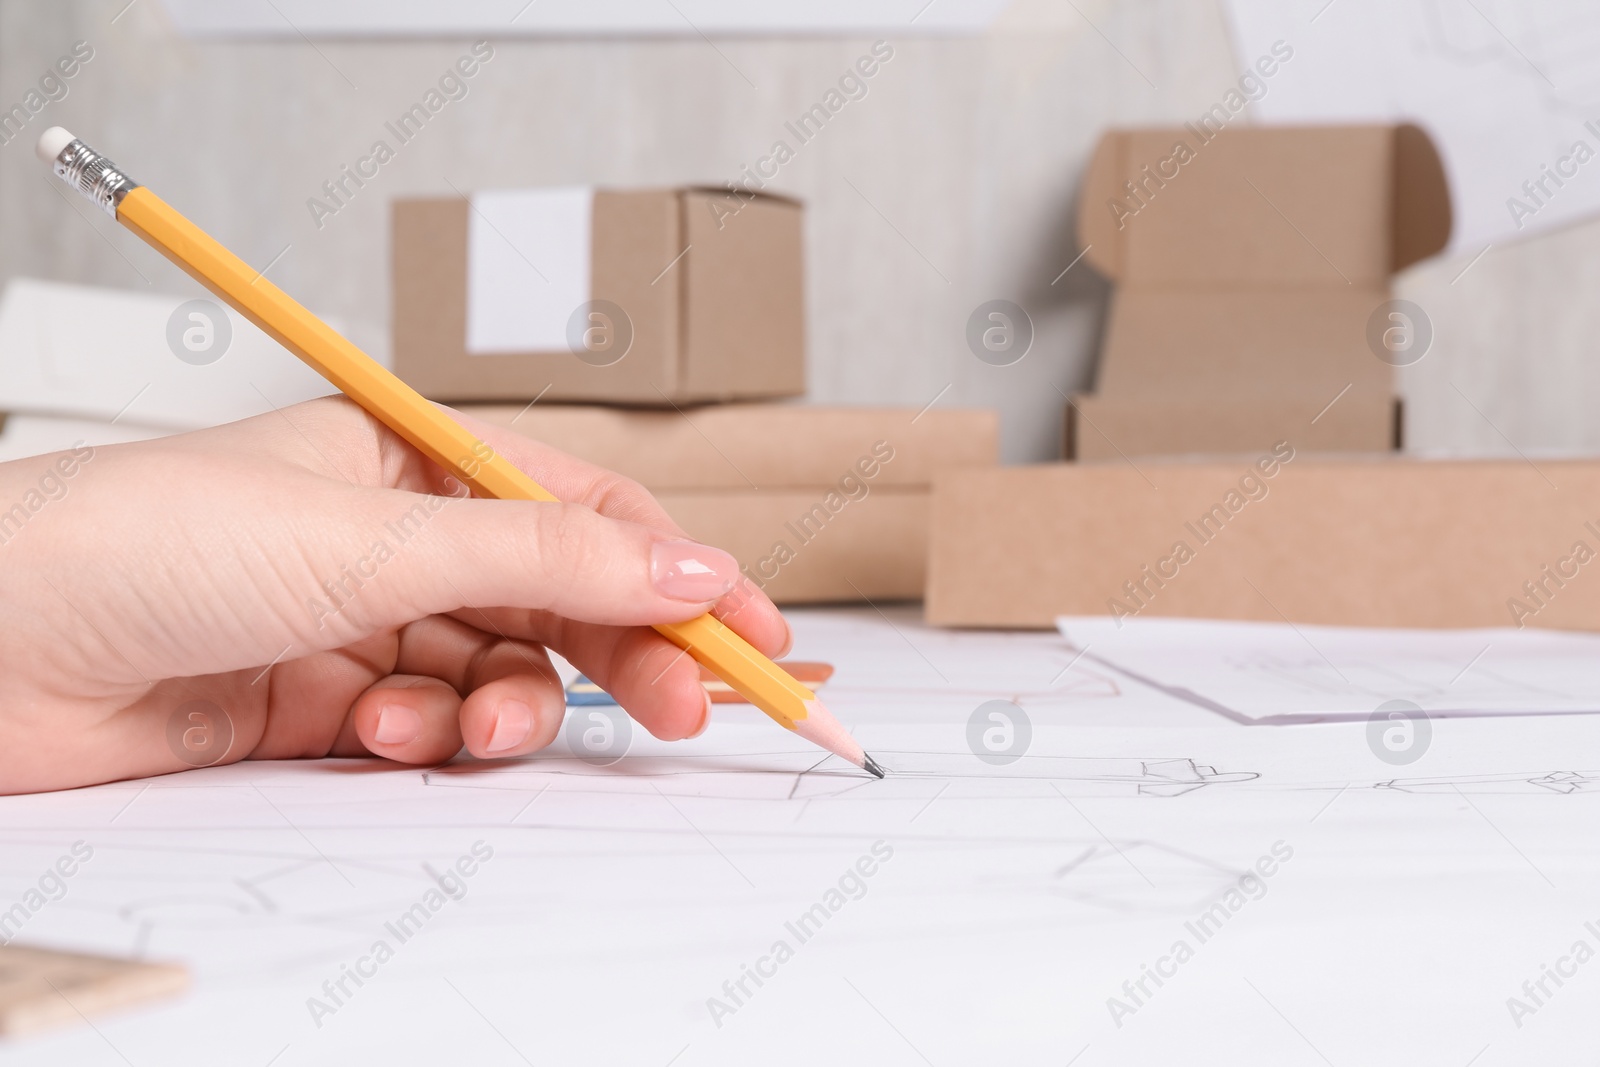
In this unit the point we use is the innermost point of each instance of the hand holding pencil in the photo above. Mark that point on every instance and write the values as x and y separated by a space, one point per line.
305 584
738 653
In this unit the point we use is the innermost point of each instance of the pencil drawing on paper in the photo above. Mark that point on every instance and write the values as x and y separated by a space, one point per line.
799 775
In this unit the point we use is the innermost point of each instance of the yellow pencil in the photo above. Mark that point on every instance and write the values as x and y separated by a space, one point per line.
407 413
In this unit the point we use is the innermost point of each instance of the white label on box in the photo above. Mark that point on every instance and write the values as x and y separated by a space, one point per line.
528 255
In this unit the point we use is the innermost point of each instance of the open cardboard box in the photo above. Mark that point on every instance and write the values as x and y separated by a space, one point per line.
1250 265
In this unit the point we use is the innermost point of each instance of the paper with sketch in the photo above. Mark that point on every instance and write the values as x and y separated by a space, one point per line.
1003 897
1509 89
1281 673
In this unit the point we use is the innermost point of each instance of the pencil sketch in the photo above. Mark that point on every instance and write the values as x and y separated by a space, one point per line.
800 776
1260 674
1551 782
674 864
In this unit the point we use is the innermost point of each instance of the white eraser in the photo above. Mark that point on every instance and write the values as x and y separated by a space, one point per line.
51 142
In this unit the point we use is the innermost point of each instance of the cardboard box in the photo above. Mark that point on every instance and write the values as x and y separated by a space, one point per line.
817 504
756 446
799 551
1250 264
1170 426
1376 541
646 297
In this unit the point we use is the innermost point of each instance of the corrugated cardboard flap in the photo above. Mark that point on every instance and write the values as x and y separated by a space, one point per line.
1267 206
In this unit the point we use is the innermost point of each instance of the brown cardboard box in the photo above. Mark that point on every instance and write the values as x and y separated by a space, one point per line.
713 296
756 446
800 552
1377 541
804 497
1249 263
1169 426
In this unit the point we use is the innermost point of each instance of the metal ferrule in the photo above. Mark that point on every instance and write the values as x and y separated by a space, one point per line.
93 175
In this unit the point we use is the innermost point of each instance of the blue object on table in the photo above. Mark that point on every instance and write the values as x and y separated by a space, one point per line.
584 693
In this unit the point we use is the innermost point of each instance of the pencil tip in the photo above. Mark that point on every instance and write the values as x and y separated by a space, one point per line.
870 765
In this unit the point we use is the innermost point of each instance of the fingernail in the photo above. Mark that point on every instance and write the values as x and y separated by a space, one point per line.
397 725
685 570
705 720
513 723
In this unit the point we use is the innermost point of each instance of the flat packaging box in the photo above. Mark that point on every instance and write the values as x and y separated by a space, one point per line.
1251 266
819 546
756 446
1383 541
818 504
641 297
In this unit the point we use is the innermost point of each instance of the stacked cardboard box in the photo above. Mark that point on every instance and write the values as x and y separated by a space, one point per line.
1252 302
665 299
1252 317
1251 338
817 504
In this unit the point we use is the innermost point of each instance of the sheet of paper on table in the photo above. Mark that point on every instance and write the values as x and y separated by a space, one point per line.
618 906
1277 673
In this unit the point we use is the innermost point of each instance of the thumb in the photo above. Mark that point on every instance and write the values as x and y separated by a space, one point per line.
449 553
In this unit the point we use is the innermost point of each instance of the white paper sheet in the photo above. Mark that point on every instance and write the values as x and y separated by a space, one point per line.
157 361
1506 87
1282 673
1008 908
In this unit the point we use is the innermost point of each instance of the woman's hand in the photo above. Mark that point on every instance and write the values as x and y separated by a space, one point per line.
328 591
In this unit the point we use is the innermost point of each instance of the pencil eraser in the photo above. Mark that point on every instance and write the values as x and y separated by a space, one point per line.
52 141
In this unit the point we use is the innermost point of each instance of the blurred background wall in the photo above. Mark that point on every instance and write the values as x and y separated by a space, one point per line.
952 182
